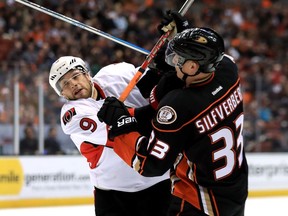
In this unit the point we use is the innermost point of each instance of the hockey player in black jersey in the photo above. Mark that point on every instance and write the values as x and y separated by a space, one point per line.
197 128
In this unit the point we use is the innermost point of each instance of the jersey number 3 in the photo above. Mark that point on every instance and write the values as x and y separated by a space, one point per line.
228 152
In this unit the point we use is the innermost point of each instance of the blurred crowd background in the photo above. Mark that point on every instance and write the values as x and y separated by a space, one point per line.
255 33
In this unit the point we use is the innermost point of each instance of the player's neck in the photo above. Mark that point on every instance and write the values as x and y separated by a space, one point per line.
202 77
94 93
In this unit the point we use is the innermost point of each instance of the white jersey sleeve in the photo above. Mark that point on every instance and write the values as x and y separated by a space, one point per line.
114 78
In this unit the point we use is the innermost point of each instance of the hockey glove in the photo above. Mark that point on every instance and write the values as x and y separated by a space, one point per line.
111 110
168 82
125 124
173 20
115 114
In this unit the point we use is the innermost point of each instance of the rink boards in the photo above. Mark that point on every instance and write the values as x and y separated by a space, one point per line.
44 181
64 180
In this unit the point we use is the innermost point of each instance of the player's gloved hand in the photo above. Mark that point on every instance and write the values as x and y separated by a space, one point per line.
115 114
111 110
167 83
170 20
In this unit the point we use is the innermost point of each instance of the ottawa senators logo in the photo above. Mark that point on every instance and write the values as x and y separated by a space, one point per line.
68 115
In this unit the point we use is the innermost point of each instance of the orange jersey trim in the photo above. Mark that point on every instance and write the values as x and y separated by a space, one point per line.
175 130
92 153
124 146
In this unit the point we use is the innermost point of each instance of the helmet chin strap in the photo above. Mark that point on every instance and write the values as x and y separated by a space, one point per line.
93 90
185 75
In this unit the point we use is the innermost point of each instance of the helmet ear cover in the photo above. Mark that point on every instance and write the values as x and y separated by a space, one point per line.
203 45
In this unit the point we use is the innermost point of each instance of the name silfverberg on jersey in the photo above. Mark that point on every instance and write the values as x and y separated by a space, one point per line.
219 113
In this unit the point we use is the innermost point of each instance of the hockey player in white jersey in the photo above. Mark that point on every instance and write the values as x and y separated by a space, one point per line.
119 190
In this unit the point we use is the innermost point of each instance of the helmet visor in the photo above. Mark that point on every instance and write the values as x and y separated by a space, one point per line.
172 58
63 83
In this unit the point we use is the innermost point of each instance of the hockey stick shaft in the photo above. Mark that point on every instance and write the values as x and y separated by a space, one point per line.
151 55
82 25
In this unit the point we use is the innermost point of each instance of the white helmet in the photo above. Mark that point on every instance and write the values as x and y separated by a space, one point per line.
62 66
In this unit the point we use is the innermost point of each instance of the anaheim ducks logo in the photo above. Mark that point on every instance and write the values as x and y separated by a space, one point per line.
166 115
201 39
68 115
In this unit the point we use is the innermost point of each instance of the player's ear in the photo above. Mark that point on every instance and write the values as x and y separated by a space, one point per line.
194 66
191 66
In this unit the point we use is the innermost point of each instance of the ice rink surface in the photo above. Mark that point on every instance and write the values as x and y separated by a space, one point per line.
255 206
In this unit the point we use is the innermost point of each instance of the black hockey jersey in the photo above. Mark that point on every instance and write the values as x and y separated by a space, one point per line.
198 134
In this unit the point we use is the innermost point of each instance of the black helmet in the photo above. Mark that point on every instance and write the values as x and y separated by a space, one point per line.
203 45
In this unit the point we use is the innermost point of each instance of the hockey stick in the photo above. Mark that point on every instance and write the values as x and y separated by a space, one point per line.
82 25
151 55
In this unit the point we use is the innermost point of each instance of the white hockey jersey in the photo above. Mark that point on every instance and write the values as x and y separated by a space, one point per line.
79 120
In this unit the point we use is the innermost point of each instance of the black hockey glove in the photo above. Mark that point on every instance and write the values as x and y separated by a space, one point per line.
168 82
115 114
111 110
180 23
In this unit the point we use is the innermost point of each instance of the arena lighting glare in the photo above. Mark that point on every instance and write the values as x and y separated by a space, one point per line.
82 25
149 57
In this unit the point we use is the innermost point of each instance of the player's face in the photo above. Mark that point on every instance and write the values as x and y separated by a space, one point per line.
175 60
76 85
